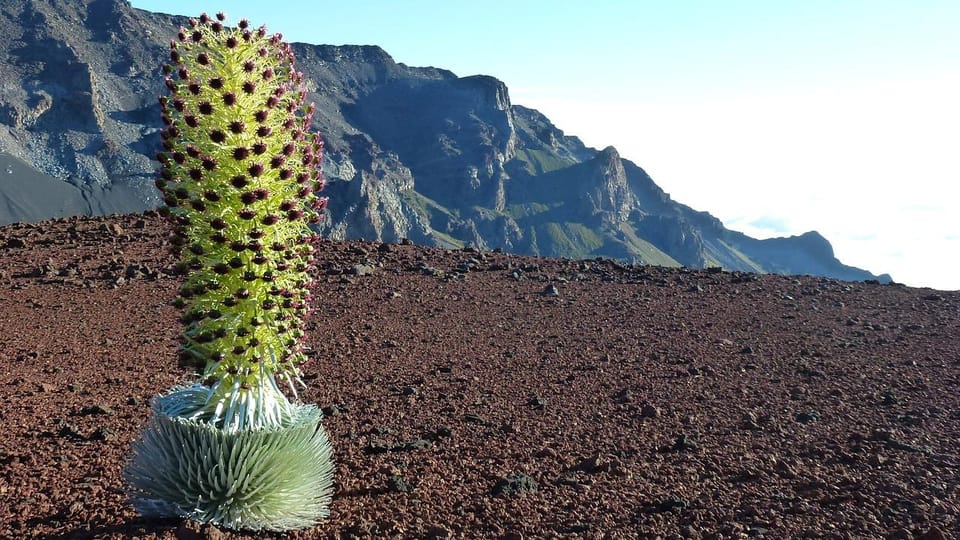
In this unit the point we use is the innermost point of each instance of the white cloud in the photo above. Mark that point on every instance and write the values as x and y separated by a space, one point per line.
872 168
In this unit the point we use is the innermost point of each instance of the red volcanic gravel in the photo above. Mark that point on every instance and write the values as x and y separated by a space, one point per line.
481 395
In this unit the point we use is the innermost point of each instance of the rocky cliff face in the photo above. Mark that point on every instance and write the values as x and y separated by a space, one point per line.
414 153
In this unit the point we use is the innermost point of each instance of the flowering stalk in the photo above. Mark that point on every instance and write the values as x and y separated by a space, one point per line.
240 175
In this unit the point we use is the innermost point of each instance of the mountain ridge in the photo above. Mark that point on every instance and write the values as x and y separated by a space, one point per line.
411 152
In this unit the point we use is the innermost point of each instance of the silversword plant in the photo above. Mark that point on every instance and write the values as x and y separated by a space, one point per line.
240 173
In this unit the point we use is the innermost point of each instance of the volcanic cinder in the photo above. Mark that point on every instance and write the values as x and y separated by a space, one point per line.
476 394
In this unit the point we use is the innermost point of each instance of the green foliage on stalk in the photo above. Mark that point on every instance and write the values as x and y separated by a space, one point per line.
240 175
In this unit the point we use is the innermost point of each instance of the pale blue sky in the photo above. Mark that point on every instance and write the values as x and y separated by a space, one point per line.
835 115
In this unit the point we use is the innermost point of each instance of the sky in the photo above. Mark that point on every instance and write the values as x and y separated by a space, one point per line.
777 117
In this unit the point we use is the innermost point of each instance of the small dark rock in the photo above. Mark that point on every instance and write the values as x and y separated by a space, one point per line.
331 411
515 485
649 411
808 417
551 291
96 410
683 443
410 446
671 504
537 402
376 447
398 484
104 433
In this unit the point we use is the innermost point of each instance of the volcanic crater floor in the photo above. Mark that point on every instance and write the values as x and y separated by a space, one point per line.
475 394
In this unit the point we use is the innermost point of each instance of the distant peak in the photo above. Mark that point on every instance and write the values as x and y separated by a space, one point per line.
609 155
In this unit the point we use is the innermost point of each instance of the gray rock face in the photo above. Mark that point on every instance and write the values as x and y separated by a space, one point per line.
415 153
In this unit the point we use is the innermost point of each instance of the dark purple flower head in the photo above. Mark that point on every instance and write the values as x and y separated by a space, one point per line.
193 151
179 158
218 136
240 153
249 66
218 224
232 42
194 88
286 174
261 115
255 233
170 85
286 206
255 170
203 59
261 193
221 268
259 147
270 219
218 238
191 120
204 18
208 163
205 107
216 83
249 87
277 161
248 197
264 131
217 27
229 99
239 181
196 174
272 102
294 215
197 36
243 24
237 126
175 56
198 205
246 213
305 192
267 74
183 74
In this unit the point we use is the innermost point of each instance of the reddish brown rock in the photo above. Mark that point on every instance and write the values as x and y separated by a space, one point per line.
456 384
